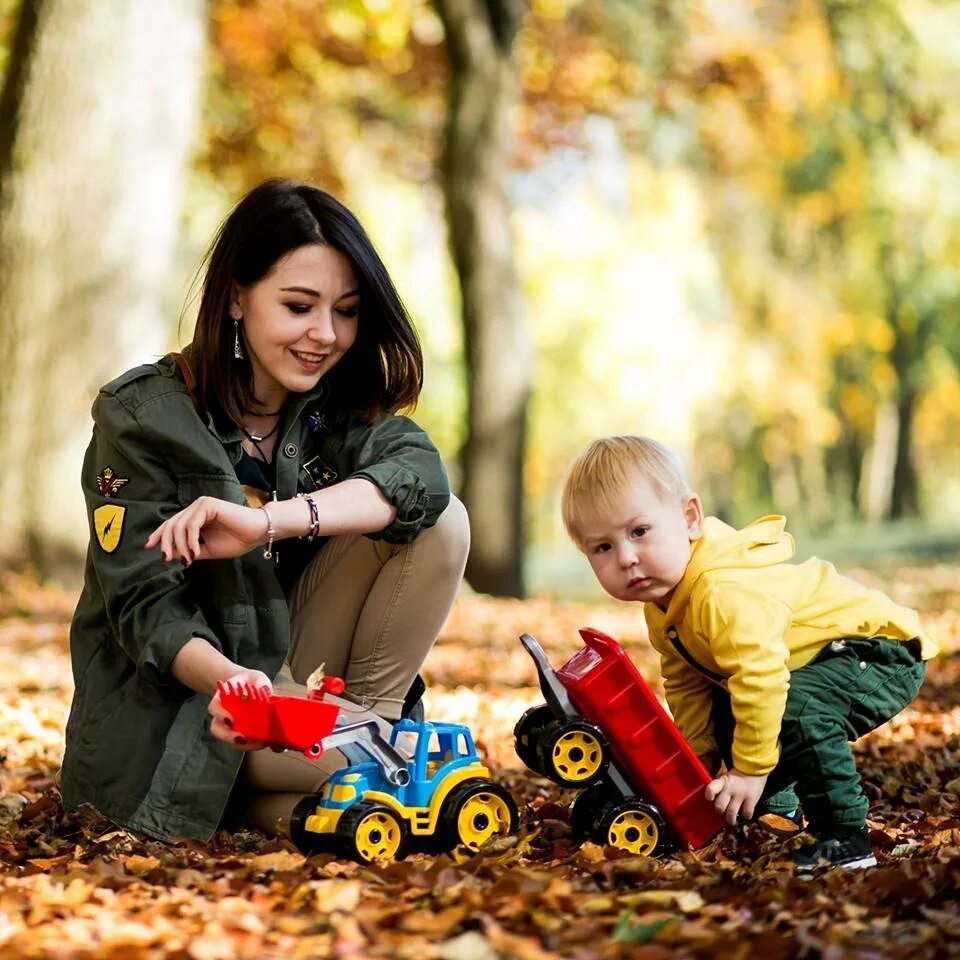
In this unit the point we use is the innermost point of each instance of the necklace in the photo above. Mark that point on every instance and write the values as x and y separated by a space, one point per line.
257 440
253 437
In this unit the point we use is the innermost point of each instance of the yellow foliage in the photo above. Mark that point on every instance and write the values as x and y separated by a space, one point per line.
884 376
878 335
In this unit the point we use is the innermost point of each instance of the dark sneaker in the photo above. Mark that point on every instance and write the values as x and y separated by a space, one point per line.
840 847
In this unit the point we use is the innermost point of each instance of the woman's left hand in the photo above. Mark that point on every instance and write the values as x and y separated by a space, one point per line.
209 529
221 723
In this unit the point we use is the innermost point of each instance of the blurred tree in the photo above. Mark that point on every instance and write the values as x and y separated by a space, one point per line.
814 121
293 83
476 163
98 111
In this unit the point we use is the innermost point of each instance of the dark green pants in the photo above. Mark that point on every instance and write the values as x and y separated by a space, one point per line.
851 688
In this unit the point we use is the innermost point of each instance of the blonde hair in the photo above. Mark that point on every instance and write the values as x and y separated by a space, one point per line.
598 477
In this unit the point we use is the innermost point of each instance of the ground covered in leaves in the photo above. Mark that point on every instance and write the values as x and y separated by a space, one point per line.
76 886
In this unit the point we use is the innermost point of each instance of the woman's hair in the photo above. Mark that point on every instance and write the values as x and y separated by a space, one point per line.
382 372
598 477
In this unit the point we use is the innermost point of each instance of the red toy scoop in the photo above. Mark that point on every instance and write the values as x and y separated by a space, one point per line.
289 723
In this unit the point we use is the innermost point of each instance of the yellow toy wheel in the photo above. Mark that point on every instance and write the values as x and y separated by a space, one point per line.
573 753
373 832
634 827
477 812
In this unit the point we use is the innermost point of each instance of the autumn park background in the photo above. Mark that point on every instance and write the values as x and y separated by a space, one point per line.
730 224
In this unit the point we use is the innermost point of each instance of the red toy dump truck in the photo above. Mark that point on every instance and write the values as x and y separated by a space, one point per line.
604 732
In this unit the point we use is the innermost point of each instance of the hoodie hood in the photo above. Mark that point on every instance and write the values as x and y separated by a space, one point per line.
762 543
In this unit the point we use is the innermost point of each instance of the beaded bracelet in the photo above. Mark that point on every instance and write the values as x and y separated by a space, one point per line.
314 530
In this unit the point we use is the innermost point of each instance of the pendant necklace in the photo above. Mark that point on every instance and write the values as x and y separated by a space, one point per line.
257 440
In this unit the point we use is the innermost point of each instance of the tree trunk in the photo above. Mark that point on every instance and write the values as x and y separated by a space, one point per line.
904 498
99 111
876 478
475 167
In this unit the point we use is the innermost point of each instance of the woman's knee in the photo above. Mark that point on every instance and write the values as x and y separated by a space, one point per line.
449 538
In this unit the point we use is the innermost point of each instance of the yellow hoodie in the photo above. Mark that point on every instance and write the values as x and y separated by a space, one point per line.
747 618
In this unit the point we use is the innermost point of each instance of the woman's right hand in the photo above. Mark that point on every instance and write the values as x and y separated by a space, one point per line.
221 724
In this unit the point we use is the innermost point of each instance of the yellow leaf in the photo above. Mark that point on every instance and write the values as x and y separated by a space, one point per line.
281 860
140 865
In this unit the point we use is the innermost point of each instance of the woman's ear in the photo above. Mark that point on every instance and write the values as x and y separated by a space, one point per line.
236 308
693 514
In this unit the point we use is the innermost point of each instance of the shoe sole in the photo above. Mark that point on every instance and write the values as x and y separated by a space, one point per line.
860 864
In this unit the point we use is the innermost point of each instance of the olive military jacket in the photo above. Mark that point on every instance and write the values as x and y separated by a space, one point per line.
138 745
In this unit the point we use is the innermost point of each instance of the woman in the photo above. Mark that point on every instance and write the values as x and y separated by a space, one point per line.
256 504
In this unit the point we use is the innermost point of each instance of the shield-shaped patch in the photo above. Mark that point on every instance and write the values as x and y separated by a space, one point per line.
108 525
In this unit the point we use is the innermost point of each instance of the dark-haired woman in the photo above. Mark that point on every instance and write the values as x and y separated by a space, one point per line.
258 509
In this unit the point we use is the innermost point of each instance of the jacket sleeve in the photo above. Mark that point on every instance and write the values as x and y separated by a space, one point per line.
745 632
399 457
690 698
129 491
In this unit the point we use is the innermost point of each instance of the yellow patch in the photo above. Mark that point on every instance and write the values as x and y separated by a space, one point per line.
108 524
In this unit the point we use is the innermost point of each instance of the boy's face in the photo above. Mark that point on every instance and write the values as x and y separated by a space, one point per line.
639 549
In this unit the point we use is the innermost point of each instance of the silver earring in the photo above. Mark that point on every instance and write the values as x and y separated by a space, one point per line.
237 349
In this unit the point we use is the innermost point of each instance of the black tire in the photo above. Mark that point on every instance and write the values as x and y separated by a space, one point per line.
635 826
588 809
572 753
368 832
474 813
308 843
527 732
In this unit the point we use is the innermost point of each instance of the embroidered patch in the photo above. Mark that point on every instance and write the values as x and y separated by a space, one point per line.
316 423
109 482
318 473
108 525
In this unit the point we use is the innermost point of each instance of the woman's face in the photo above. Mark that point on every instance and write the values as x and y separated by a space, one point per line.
298 321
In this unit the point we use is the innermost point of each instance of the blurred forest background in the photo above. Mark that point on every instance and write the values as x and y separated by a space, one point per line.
731 225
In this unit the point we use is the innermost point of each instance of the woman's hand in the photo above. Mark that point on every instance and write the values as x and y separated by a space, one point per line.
735 793
209 529
221 723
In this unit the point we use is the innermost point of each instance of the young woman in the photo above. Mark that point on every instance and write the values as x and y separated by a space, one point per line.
258 509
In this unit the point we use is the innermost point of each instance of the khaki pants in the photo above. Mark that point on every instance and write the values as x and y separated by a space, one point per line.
369 611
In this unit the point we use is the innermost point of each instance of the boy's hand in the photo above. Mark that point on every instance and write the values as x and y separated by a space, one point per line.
735 793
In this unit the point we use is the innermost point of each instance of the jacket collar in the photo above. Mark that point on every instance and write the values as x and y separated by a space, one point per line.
229 434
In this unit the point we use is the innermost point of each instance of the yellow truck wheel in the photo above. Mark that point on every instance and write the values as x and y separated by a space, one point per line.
372 831
573 753
636 827
476 812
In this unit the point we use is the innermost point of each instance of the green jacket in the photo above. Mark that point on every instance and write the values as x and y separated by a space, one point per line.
138 745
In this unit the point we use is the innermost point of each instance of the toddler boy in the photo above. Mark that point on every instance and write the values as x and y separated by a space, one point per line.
771 665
